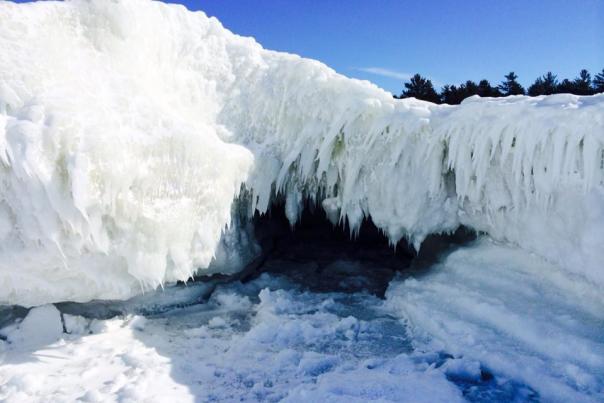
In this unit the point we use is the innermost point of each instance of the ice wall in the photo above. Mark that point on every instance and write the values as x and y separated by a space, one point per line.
127 129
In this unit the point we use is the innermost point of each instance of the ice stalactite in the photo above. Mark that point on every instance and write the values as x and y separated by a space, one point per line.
123 147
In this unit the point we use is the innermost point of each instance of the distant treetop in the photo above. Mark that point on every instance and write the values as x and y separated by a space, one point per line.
422 88
510 86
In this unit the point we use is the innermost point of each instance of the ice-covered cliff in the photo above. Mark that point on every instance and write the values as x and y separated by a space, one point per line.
128 128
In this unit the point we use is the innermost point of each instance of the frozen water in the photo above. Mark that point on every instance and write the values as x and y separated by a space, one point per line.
268 340
118 184
520 317
482 325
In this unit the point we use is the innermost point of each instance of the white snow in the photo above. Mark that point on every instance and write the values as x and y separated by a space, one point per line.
137 138
265 341
520 317
42 325
128 128
486 324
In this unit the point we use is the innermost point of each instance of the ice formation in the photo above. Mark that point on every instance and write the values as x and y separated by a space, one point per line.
521 317
490 323
129 129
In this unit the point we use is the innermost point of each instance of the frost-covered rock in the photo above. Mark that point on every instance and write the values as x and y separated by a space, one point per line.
127 130
40 327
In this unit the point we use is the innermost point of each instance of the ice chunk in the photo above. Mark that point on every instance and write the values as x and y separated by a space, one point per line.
41 326
115 185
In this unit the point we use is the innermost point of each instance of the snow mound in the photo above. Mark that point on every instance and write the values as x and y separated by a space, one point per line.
128 129
40 327
518 316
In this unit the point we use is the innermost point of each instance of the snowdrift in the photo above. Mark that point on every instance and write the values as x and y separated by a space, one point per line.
134 133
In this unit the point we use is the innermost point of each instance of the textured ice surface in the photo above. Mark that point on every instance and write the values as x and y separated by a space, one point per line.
482 326
520 317
266 341
127 129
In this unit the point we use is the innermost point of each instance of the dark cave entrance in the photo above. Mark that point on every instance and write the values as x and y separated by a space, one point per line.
314 254
325 258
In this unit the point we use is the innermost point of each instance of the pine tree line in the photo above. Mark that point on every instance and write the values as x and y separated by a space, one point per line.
422 88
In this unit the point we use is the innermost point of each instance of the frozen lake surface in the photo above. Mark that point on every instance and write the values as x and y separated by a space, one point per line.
482 325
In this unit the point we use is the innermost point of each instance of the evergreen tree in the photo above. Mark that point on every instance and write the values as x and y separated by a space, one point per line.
445 95
545 85
537 88
565 87
454 95
468 89
420 88
550 83
582 83
598 82
511 86
486 90
451 95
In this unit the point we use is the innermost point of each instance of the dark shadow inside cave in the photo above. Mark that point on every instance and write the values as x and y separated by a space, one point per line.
326 257
314 254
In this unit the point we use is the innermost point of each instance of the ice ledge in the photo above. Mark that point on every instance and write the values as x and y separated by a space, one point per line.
123 146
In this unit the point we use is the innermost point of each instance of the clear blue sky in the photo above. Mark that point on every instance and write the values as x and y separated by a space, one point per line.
448 41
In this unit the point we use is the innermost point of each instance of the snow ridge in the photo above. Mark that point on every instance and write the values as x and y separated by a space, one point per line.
123 147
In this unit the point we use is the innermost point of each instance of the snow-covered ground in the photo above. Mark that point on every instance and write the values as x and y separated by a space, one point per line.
483 325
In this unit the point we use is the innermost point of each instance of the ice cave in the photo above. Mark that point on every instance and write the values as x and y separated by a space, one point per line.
187 216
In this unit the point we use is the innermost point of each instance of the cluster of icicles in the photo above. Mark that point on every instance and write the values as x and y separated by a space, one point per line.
123 182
